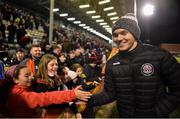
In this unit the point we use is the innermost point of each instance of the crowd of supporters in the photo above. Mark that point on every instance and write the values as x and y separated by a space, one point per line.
78 57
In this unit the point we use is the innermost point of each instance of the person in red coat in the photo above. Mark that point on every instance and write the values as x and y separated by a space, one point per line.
22 102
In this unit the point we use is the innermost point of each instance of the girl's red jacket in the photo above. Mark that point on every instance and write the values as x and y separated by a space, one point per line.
22 102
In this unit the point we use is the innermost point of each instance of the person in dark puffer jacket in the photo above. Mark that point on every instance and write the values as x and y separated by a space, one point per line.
143 79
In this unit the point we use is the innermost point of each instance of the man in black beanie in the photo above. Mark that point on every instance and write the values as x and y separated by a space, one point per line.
130 23
139 75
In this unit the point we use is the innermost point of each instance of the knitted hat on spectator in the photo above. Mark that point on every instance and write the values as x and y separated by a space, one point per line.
128 22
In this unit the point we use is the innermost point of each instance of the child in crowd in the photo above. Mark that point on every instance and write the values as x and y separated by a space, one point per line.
81 77
47 79
23 102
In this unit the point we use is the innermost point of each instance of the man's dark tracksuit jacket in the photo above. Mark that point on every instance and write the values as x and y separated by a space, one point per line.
145 82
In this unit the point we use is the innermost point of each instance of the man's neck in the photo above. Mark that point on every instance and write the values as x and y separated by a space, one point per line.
133 46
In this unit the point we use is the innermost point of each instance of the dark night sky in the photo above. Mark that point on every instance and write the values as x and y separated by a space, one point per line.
164 24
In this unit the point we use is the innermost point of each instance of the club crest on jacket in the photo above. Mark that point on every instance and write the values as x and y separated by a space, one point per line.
147 69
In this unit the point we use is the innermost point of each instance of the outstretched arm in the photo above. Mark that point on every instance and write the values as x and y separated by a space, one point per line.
107 95
82 95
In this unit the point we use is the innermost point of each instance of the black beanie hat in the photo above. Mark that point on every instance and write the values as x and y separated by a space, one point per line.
128 22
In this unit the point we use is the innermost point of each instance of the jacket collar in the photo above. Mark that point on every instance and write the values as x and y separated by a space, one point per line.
134 52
